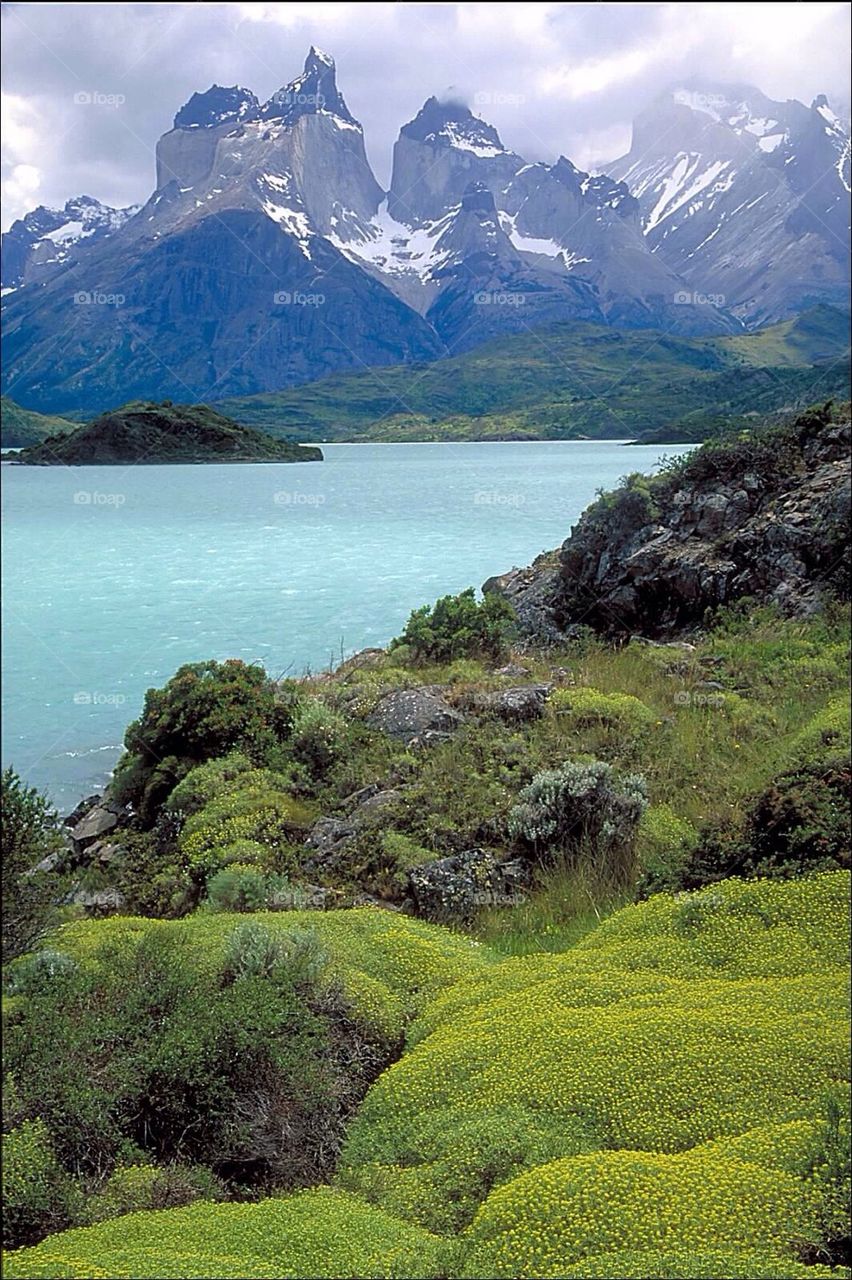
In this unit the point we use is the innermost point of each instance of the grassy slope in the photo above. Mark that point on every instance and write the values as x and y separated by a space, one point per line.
20 427
566 381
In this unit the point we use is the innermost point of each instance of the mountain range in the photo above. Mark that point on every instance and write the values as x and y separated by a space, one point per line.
269 256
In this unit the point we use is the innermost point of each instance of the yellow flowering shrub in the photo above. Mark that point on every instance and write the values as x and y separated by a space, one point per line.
598 1049
319 1233
738 928
663 844
547 1221
703 1264
585 706
254 807
389 965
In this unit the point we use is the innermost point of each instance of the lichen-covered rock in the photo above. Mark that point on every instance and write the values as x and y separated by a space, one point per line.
460 885
407 713
517 705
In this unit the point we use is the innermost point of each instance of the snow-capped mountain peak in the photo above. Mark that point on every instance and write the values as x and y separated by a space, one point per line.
743 196
217 106
452 124
46 239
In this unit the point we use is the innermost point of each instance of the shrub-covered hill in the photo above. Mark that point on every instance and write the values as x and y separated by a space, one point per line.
664 1099
142 432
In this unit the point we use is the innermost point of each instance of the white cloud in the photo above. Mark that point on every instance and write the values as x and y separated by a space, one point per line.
558 78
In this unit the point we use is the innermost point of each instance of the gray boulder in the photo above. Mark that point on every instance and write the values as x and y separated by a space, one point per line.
517 705
100 819
463 883
407 713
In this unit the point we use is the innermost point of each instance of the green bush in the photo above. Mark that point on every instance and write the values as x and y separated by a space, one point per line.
206 710
242 888
664 844
582 809
799 824
458 627
38 1196
826 736
28 830
239 1065
319 736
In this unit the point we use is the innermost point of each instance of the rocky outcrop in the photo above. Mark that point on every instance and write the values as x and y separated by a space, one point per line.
766 519
330 838
94 818
533 592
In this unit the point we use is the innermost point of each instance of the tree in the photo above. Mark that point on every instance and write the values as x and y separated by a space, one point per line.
458 627
207 709
29 834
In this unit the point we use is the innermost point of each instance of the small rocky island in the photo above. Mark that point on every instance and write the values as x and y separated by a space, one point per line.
147 432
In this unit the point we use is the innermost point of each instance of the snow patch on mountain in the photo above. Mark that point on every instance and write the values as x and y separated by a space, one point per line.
390 246
686 181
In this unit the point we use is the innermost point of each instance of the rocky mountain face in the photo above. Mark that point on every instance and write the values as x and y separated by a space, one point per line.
269 256
226 281
745 198
766 519
482 243
46 240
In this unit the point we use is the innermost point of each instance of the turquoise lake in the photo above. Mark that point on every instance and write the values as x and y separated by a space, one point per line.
115 576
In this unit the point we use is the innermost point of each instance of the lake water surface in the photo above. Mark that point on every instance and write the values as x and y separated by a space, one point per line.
115 576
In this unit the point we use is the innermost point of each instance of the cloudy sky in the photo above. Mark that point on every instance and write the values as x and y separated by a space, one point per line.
554 78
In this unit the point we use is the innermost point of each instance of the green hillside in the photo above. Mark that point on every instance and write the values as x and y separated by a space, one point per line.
566 382
22 427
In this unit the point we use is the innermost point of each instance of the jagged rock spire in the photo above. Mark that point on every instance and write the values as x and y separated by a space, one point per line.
313 91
